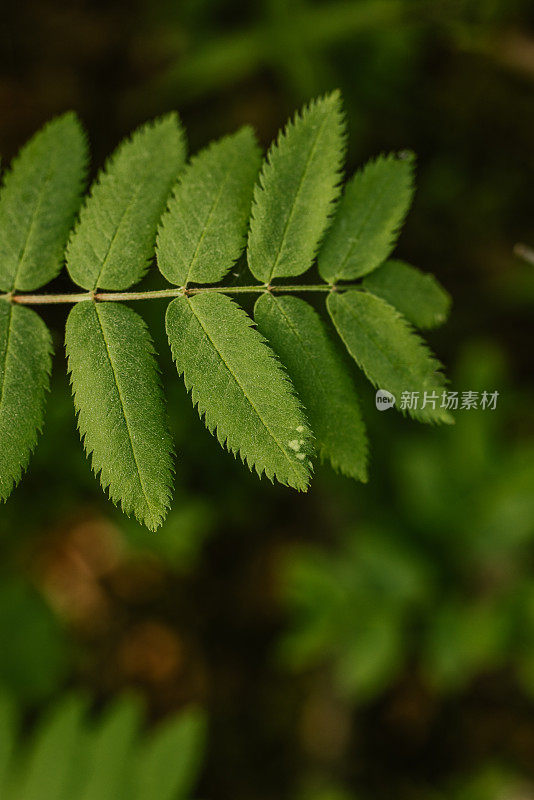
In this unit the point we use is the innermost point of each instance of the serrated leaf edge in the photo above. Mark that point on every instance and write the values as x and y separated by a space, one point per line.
283 134
222 439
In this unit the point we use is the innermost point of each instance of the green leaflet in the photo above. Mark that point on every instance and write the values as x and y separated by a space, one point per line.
204 229
169 763
417 295
239 387
298 185
113 242
368 219
121 415
25 361
386 348
299 338
38 201
48 771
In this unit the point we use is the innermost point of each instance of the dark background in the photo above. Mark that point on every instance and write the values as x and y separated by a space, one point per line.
359 642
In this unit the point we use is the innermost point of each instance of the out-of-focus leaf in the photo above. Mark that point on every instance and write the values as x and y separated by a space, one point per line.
170 761
27 627
321 378
391 354
417 295
52 760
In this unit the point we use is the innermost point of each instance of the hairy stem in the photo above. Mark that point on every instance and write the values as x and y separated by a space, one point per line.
76 297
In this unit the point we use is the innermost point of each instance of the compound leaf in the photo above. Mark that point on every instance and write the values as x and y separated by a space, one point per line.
38 202
298 337
25 362
417 295
298 185
121 415
113 242
386 348
368 219
203 232
170 761
239 387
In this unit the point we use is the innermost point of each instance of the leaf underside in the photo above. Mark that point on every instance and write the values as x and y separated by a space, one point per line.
121 415
417 295
25 362
294 197
38 202
368 219
203 232
113 243
239 387
386 348
297 335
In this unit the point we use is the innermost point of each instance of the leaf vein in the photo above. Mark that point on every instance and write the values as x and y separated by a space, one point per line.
123 411
241 387
299 189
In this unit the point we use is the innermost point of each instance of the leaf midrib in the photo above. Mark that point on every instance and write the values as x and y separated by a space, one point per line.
296 197
324 445
122 407
211 212
371 338
5 355
31 226
303 346
362 224
237 381
111 241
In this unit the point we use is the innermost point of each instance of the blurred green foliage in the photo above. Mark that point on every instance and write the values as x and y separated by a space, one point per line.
71 756
445 575
35 650
490 782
